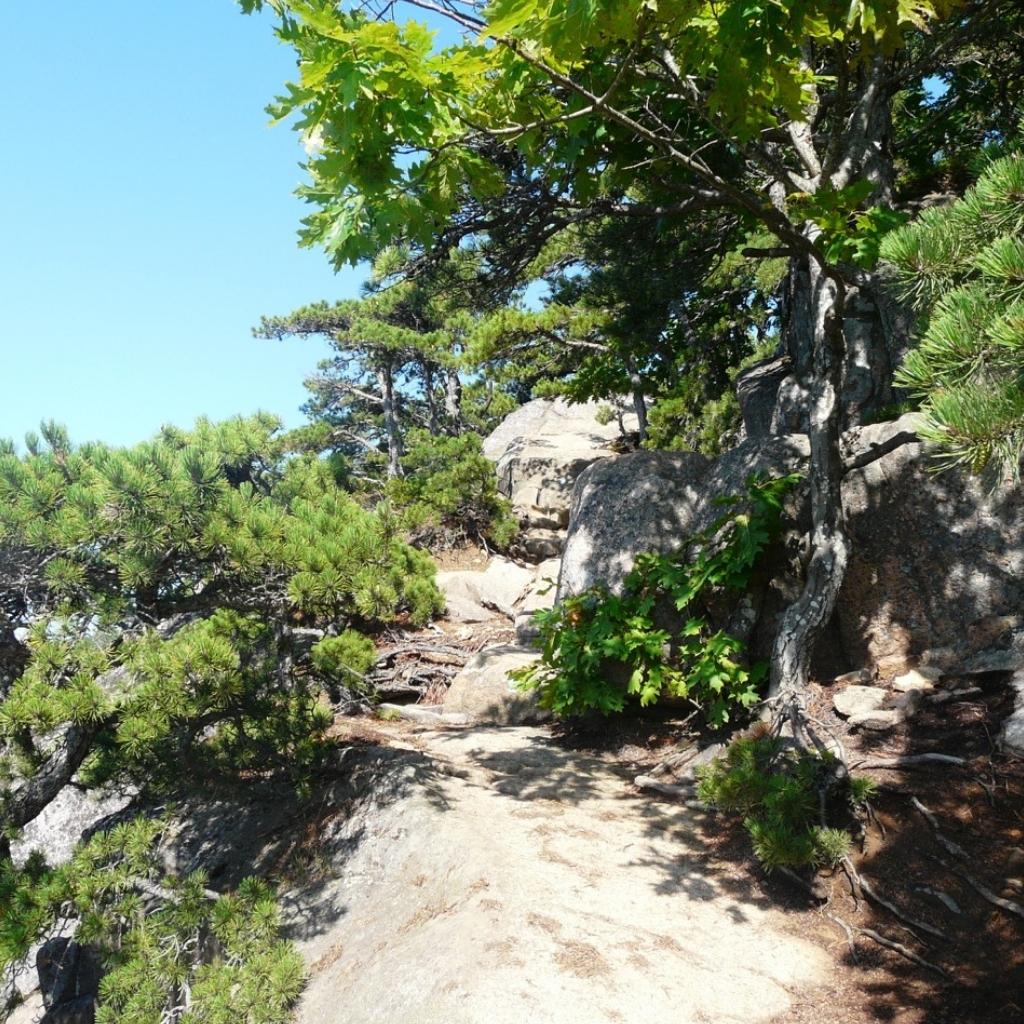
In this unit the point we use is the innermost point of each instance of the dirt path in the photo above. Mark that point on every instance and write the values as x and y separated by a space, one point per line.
524 882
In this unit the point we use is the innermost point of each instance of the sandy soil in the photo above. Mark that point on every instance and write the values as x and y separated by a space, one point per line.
526 881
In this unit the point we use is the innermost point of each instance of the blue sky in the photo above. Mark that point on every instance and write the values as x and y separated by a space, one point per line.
147 219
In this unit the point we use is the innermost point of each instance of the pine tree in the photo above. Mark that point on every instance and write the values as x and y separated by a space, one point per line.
156 605
963 267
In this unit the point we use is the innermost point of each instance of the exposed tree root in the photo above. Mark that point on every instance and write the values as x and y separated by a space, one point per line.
849 936
983 891
909 921
947 844
943 897
897 947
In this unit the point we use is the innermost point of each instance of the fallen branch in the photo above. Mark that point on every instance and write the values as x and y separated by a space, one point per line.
912 761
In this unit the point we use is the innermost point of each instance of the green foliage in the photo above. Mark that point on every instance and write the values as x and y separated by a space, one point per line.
783 794
600 650
849 234
449 493
159 588
346 657
370 91
159 585
688 421
963 266
172 951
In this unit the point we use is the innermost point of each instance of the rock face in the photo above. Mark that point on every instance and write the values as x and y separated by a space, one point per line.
74 815
474 596
1012 737
484 691
523 883
540 450
757 389
539 595
859 700
653 501
937 562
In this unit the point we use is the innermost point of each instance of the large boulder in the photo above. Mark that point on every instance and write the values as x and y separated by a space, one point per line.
74 815
937 559
757 389
475 595
540 450
654 501
484 692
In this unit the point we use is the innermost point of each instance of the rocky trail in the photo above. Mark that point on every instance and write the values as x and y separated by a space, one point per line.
518 880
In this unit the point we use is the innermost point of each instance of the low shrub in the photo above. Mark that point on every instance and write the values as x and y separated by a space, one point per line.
796 805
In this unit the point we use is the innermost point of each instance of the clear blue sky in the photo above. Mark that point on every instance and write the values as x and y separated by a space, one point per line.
147 219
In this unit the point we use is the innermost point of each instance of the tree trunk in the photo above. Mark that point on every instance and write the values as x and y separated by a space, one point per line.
639 401
428 397
392 431
453 401
804 621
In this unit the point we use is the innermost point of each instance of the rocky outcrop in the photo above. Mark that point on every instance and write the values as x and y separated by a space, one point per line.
74 815
654 501
937 561
519 880
1012 737
757 390
484 692
474 595
540 450
540 596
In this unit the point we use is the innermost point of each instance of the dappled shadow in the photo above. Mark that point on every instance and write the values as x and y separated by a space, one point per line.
665 839
264 830
979 808
937 562
655 501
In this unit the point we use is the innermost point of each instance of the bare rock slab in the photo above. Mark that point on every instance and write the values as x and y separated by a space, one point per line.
484 692
527 885
1012 736
876 721
858 700
916 679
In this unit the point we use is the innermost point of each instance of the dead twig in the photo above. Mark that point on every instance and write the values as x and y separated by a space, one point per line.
912 761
